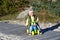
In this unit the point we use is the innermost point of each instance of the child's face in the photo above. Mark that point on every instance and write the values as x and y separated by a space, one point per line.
31 13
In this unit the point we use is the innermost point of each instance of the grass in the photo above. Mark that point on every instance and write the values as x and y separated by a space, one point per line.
13 16
9 17
45 17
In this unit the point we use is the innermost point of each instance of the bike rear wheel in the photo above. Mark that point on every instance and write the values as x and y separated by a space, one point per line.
32 33
38 32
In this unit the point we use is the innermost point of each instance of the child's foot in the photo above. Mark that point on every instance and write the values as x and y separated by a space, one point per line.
29 33
40 33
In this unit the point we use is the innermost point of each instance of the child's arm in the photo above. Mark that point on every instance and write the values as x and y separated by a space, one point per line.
26 22
37 20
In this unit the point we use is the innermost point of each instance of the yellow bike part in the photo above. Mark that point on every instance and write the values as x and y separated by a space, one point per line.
38 32
32 33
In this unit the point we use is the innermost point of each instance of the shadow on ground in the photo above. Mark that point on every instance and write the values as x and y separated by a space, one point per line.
50 29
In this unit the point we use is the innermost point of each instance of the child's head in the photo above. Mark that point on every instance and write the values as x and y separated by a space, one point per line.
31 13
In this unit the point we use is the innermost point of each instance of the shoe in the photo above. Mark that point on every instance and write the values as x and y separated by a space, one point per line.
29 33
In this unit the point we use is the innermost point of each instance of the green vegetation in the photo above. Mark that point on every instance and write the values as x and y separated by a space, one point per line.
10 8
45 17
47 10
47 6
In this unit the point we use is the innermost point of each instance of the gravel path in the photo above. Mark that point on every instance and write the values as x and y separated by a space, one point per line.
18 32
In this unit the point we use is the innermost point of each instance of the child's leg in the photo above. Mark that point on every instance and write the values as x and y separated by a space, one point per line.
31 28
38 27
